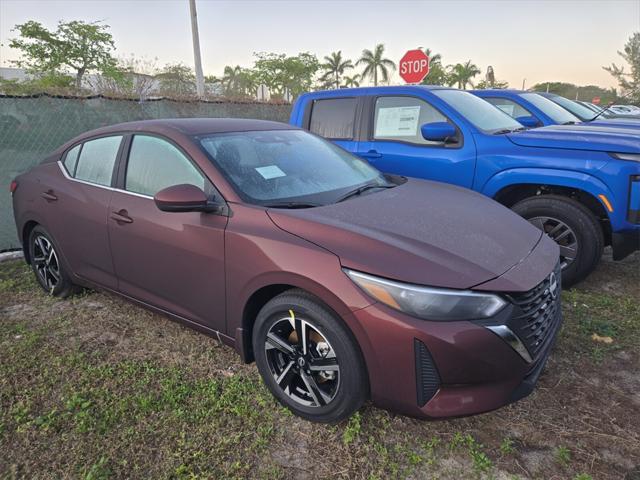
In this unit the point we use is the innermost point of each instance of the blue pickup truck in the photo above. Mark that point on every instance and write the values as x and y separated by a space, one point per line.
580 185
535 109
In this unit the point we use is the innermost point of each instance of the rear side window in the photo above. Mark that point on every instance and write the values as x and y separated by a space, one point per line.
334 118
509 107
97 159
71 160
155 164
400 119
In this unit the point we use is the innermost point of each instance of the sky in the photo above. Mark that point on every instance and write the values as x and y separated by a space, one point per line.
541 40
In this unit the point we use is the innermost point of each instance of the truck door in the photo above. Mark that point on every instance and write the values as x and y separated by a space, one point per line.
395 143
335 120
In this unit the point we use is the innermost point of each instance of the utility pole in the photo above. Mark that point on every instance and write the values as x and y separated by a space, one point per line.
523 82
196 49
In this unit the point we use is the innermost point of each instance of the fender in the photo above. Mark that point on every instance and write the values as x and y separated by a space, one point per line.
548 176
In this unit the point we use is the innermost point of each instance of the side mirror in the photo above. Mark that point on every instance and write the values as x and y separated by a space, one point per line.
184 198
438 131
528 121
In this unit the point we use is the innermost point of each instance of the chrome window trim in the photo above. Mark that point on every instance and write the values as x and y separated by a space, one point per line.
66 175
512 339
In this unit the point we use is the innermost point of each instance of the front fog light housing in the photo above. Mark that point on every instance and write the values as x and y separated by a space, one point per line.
429 303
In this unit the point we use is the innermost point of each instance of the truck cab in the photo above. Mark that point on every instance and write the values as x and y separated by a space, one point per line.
579 185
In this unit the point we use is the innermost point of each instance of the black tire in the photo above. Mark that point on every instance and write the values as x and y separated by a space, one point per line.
585 229
50 272
338 397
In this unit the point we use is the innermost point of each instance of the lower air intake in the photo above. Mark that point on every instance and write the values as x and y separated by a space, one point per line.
427 378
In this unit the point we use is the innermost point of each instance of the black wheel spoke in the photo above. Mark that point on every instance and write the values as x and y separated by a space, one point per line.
316 393
274 341
562 234
287 375
301 331
45 261
324 365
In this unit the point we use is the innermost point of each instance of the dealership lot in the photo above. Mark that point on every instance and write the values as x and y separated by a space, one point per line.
93 386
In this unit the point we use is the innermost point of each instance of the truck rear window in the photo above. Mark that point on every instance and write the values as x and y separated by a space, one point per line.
333 118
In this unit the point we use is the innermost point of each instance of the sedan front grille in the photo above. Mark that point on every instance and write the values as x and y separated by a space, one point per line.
537 313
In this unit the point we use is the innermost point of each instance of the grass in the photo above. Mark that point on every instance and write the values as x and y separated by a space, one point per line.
95 388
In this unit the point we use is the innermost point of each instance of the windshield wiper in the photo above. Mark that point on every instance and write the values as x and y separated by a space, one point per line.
503 131
291 205
360 189
570 122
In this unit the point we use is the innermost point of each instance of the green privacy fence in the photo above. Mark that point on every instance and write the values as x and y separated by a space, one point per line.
32 127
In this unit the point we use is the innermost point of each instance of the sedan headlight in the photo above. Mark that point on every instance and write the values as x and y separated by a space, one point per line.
634 157
429 303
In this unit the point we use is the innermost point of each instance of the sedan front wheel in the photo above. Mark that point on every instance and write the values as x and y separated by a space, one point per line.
308 359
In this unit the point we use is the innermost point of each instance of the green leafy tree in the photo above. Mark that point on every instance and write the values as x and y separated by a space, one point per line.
281 73
80 46
461 74
334 68
177 80
350 82
437 73
629 81
375 62
572 91
237 82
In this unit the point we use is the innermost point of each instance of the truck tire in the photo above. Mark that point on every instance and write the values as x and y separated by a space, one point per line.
573 226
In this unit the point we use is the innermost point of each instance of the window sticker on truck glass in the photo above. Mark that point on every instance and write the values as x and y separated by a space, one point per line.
271 171
397 121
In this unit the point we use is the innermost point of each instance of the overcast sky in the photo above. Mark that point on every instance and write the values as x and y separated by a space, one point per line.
543 40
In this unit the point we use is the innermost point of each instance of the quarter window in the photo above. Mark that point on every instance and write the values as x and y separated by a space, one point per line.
97 159
155 164
509 107
400 119
71 160
334 118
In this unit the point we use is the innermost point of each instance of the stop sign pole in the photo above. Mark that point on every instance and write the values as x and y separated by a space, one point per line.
414 66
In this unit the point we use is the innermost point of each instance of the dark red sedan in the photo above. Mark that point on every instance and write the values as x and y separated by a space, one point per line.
342 283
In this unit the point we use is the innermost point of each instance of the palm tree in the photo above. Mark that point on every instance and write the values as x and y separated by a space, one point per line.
461 74
353 81
335 66
433 57
374 61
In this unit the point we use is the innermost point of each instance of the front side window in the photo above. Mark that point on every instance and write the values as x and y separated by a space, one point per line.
482 114
97 159
274 166
333 118
400 119
155 164
554 111
509 107
580 111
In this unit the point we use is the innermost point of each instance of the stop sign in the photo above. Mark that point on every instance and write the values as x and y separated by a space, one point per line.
414 66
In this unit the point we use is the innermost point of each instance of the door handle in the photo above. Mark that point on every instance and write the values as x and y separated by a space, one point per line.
371 154
121 216
49 196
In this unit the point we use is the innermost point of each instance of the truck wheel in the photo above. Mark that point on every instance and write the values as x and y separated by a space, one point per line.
574 228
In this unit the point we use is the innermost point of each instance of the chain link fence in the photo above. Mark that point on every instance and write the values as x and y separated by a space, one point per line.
32 127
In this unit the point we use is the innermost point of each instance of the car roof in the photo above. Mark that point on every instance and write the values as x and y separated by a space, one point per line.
508 91
346 92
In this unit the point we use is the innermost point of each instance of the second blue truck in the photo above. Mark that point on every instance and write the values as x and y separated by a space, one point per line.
580 185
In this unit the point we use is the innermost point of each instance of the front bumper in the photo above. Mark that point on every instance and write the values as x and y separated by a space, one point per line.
624 243
450 369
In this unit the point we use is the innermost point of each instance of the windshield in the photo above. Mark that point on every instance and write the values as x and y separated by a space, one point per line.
551 109
480 113
267 167
580 111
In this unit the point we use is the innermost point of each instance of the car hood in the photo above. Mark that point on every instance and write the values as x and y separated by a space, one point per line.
420 232
579 137
615 123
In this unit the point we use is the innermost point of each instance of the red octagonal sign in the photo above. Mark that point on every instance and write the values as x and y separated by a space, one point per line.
414 66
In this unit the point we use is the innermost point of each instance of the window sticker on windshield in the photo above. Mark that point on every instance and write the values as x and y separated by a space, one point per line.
272 171
397 121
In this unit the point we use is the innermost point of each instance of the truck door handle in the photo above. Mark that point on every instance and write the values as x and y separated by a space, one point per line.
49 196
371 154
121 216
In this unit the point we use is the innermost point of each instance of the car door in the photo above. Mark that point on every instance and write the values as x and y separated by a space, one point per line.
171 260
395 143
79 208
335 120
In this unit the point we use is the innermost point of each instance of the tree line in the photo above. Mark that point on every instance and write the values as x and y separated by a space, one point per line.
62 58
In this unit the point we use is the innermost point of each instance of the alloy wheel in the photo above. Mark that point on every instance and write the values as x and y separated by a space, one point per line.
46 262
302 361
562 234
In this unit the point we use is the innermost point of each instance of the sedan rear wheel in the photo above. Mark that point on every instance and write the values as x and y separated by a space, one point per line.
308 359
45 262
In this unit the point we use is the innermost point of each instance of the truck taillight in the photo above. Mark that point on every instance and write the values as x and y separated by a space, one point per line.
13 186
